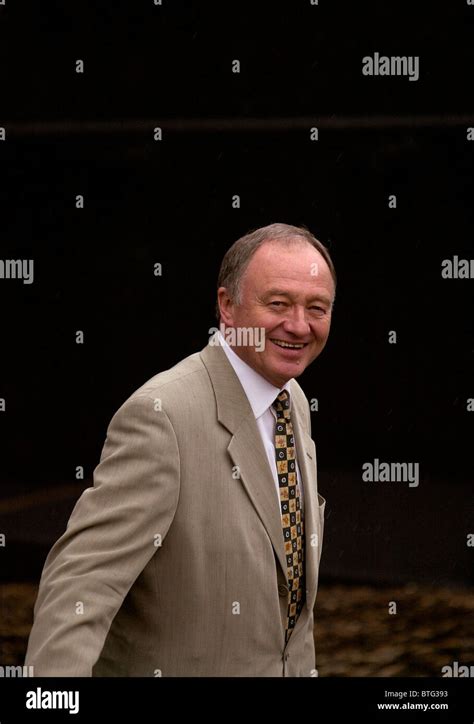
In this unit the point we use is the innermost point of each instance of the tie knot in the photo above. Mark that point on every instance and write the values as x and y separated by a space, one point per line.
282 403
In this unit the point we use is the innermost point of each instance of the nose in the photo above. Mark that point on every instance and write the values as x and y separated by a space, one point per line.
295 322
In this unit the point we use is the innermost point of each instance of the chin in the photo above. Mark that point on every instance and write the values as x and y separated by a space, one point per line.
283 374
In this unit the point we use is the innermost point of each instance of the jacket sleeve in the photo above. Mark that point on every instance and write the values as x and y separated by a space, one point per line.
110 537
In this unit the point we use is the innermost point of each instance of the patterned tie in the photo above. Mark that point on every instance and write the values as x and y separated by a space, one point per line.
291 513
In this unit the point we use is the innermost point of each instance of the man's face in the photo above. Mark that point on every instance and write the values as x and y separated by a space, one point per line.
289 292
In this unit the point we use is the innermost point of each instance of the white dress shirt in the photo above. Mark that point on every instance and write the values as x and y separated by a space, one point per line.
261 394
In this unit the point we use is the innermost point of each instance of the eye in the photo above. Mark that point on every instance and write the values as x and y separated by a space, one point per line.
276 303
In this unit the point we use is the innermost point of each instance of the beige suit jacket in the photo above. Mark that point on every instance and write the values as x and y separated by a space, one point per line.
173 564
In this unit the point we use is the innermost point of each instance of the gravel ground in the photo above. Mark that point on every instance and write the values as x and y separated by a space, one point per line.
355 633
357 636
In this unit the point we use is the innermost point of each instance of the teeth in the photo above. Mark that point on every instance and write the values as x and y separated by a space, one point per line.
280 343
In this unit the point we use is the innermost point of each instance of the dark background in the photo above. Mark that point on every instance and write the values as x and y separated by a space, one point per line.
171 202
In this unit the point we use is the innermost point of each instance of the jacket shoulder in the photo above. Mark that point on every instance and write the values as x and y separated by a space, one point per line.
176 387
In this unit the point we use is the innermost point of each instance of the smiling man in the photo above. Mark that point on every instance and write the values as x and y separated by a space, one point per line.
287 289
196 551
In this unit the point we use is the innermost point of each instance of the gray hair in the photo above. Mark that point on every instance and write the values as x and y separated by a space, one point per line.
237 258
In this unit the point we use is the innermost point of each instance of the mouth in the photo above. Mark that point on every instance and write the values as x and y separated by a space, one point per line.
283 344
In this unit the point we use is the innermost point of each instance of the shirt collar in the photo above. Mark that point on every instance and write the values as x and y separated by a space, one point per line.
260 393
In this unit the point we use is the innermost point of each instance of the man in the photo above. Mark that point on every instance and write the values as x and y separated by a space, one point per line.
196 552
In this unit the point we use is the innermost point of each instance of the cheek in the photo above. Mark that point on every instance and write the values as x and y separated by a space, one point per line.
321 330
320 335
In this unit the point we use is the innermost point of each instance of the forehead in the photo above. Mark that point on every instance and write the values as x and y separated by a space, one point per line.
298 262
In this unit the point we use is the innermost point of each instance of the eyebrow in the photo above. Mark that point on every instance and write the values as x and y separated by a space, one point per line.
282 293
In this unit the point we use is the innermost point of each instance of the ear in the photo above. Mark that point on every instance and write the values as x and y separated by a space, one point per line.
226 307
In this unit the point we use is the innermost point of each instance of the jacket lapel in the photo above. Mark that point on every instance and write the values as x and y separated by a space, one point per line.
248 454
245 447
